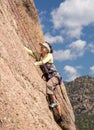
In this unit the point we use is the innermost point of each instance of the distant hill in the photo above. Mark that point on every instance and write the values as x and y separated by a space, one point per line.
81 94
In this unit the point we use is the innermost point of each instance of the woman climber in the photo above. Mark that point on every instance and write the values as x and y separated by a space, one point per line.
50 73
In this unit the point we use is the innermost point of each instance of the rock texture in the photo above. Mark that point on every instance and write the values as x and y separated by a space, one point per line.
23 104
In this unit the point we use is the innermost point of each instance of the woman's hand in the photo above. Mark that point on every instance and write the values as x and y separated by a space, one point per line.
38 63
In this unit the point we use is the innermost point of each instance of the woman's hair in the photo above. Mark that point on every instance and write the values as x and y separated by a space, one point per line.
51 49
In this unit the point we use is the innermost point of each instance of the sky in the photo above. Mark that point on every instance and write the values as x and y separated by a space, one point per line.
68 25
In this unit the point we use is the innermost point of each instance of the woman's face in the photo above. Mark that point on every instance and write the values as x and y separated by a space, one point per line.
44 50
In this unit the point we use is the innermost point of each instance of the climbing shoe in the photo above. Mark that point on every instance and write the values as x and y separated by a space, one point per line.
59 120
52 105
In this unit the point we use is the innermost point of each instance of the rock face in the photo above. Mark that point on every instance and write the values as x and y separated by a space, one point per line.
23 104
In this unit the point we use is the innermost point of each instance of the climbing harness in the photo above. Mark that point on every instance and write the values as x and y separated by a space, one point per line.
49 70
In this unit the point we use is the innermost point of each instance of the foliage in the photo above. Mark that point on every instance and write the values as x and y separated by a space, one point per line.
85 122
81 94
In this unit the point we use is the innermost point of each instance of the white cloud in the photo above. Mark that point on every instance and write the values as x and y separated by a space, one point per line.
53 39
92 69
75 50
62 55
78 45
73 15
71 72
91 47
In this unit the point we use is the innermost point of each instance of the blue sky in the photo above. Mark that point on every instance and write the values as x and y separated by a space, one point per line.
69 26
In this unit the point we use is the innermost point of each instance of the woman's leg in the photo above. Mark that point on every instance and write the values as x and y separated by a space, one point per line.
54 100
51 86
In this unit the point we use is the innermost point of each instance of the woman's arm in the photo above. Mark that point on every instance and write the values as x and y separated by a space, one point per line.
47 59
36 55
29 51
